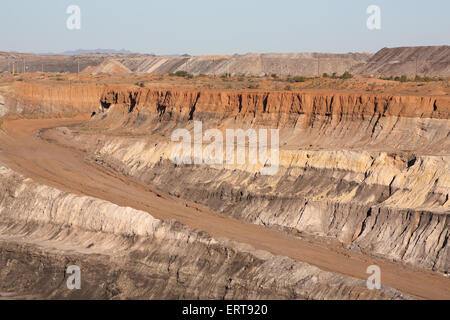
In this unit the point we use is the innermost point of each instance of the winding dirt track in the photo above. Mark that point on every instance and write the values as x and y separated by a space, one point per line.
68 169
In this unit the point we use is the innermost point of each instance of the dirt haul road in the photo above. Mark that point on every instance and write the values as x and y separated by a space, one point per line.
46 162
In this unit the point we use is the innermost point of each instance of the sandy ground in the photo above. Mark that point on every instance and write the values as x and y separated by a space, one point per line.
68 169
440 86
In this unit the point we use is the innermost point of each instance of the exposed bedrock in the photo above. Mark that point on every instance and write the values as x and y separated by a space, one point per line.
316 202
279 103
274 107
38 99
370 171
126 253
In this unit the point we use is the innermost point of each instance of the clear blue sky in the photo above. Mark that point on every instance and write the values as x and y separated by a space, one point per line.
222 27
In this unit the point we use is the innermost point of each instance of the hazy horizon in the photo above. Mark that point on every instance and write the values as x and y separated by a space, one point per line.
207 28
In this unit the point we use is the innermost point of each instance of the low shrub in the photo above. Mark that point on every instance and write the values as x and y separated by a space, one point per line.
346 75
300 79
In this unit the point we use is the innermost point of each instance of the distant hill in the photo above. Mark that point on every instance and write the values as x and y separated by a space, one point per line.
88 51
248 64
430 60
108 66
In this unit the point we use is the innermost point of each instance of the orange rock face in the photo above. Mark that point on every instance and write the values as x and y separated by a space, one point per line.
86 98
318 103
40 98
358 172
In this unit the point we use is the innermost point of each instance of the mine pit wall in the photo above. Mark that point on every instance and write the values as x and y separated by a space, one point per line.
306 119
44 99
278 104
126 253
357 168
314 202
368 170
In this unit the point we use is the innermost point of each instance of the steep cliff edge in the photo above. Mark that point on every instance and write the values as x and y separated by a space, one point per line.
258 104
36 99
368 170
278 107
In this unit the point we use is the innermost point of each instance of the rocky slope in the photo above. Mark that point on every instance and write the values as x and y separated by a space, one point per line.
370 171
126 253
248 64
35 98
431 60
367 171
53 63
107 66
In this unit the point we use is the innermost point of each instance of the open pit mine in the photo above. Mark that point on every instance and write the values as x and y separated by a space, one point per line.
87 179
